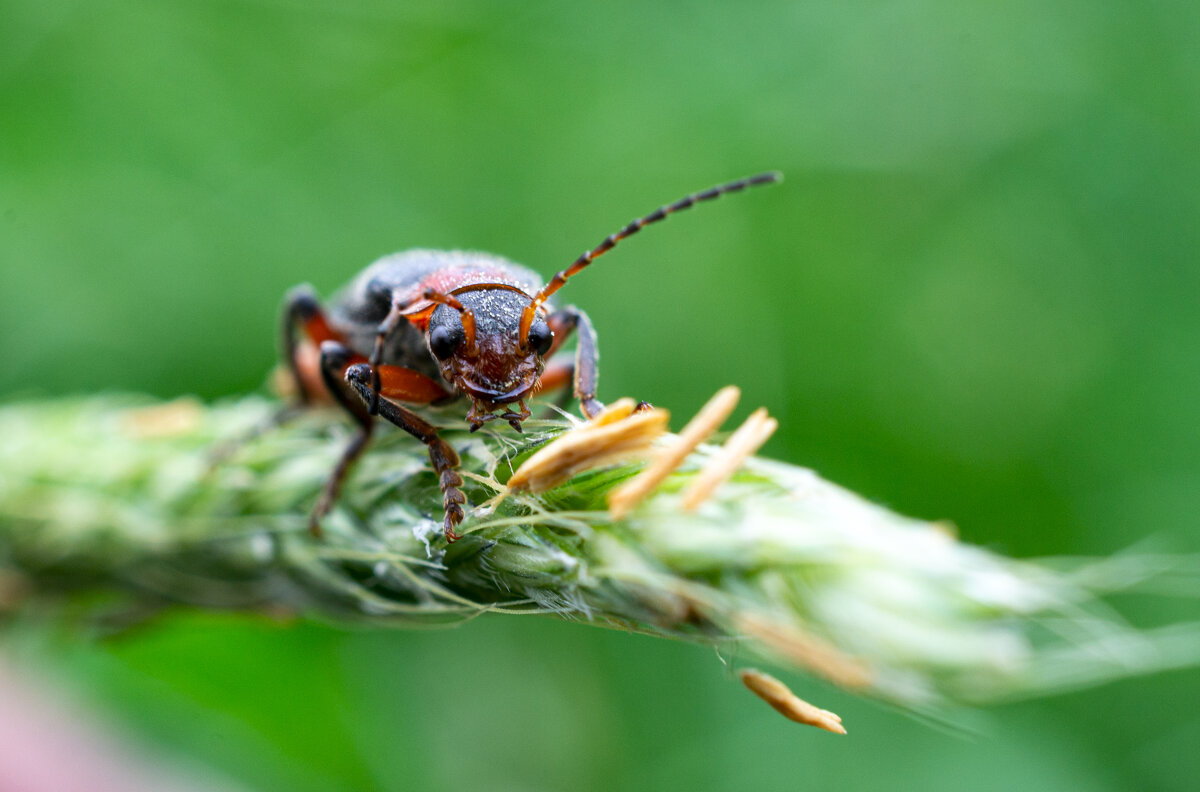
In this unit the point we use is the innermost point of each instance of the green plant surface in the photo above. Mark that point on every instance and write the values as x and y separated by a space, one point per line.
778 563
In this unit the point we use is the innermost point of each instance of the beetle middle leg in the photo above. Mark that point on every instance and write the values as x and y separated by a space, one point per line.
563 322
441 454
302 309
584 371
335 358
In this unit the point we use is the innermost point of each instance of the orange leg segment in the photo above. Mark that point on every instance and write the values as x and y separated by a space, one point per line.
317 328
302 310
406 385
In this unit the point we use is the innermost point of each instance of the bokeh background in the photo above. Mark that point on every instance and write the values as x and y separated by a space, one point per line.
976 297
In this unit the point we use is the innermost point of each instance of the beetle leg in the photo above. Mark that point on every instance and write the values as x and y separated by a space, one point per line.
441 454
407 385
335 357
393 318
563 322
301 308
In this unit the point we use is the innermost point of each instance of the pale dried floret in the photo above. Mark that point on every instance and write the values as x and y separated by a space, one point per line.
618 410
804 650
741 445
169 419
788 704
617 435
623 499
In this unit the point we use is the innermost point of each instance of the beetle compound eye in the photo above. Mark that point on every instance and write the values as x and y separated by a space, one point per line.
540 337
443 341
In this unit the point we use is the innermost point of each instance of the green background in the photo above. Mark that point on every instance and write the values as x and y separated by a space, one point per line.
975 297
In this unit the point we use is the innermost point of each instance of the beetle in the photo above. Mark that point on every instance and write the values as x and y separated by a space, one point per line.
428 326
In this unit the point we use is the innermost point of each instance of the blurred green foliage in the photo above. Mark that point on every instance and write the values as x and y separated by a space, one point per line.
976 297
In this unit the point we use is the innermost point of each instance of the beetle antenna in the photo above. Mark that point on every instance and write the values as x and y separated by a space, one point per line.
611 240
468 318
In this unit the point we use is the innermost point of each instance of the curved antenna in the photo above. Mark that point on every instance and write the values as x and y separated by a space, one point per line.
611 240
468 318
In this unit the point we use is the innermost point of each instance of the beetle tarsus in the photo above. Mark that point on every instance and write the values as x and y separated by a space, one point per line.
448 525
590 407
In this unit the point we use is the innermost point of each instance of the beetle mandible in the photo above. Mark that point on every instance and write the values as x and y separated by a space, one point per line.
426 326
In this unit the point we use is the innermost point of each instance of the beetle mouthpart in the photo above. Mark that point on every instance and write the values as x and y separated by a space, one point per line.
480 414
514 419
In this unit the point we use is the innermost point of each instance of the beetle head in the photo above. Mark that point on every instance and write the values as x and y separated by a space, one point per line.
475 336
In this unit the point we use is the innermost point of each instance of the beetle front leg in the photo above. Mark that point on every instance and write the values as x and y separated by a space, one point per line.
584 370
386 328
441 454
563 322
